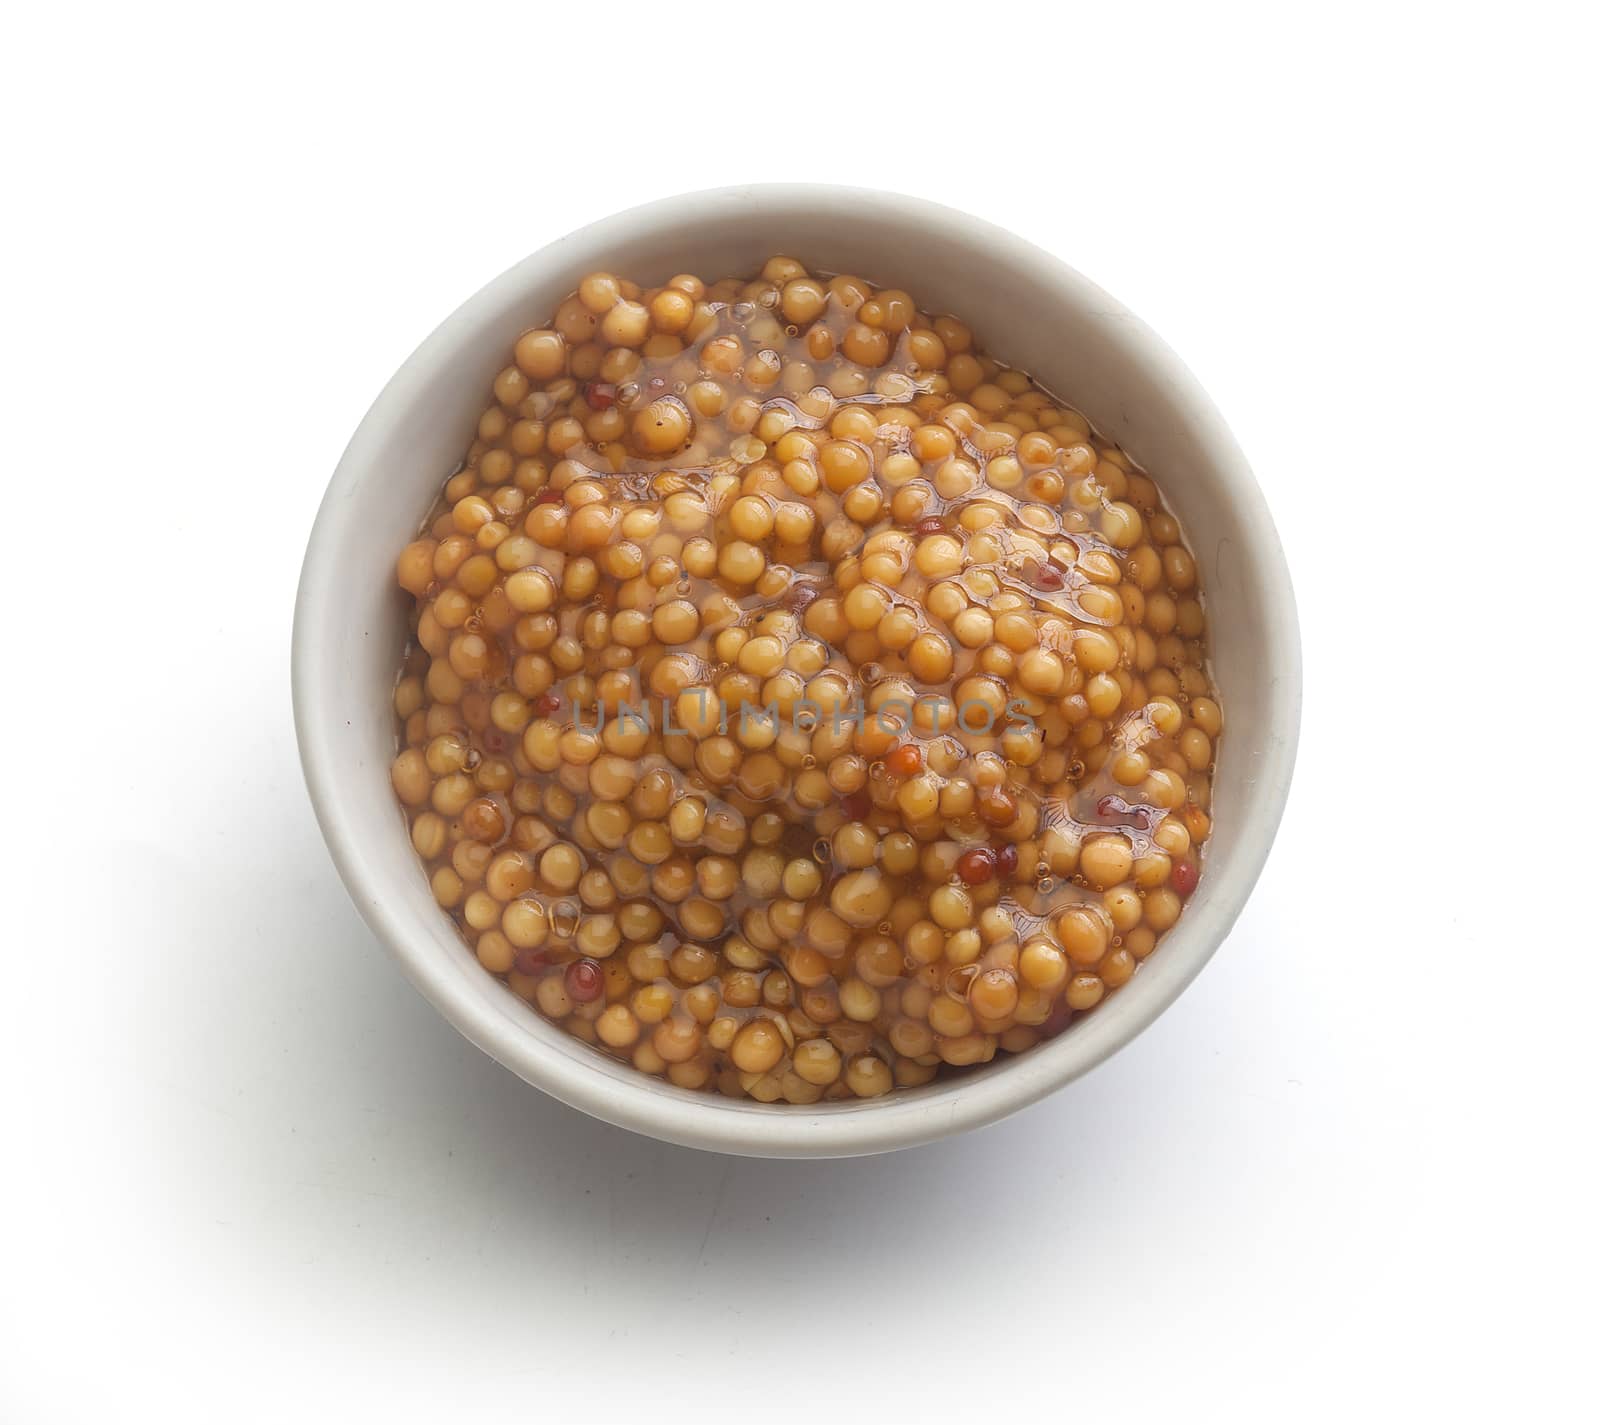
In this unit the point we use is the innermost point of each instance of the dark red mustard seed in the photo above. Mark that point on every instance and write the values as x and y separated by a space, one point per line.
905 760
934 524
1048 578
547 704
548 497
976 867
1005 860
584 980
1185 877
856 806
601 395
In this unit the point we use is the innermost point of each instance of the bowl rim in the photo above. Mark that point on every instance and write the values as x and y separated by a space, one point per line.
708 1121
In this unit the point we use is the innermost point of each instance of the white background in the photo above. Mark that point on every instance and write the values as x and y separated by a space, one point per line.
248 1171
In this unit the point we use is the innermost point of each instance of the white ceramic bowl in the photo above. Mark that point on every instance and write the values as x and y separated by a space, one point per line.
1032 311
